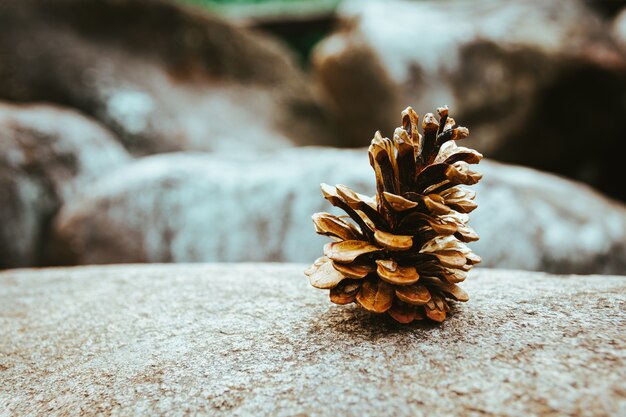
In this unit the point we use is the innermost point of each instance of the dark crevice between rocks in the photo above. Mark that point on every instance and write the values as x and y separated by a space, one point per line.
607 8
533 126
577 141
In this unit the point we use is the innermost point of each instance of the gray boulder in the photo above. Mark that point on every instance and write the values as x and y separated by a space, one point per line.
46 154
257 340
195 207
541 83
160 75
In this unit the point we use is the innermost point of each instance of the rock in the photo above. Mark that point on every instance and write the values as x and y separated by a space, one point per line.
162 76
619 29
200 207
363 101
191 208
256 340
539 83
46 154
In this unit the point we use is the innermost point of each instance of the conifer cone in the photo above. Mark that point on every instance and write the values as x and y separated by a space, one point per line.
403 251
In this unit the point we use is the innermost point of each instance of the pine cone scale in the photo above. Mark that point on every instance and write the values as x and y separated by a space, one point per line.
390 272
376 296
416 294
348 250
354 270
393 242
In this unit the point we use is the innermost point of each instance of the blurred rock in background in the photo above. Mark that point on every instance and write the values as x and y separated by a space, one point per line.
619 29
199 208
300 24
46 154
541 83
90 88
161 76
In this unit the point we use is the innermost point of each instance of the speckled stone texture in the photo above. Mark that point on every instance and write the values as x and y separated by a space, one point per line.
255 339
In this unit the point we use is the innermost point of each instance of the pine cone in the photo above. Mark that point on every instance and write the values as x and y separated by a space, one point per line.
402 251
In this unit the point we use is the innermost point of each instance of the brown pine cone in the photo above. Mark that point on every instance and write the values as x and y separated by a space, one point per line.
402 251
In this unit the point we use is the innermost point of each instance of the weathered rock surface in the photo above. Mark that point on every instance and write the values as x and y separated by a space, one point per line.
540 83
256 340
162 76
46 154
193 207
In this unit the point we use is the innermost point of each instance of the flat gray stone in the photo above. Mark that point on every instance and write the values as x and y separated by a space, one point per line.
255 339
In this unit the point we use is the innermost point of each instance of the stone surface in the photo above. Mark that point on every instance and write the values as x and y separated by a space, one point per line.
254 340
46 154
162 76
192 207
539 83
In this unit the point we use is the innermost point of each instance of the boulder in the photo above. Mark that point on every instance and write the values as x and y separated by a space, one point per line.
160 75
618 29
540 83
46 154
257 340
197 207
